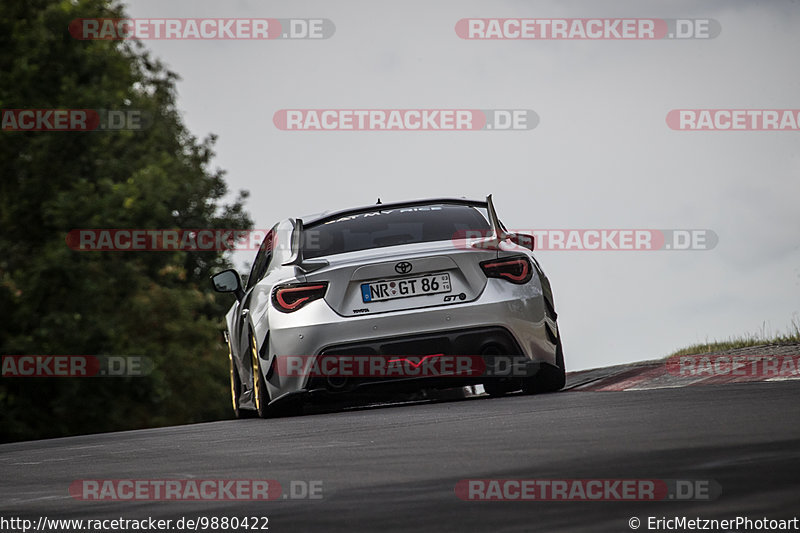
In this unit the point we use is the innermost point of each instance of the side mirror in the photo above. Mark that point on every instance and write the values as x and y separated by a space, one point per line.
228 281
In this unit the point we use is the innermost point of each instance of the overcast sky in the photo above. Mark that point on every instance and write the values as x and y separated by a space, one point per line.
602 155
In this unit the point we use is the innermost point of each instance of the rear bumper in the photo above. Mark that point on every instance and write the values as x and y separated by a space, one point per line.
484 344
511 317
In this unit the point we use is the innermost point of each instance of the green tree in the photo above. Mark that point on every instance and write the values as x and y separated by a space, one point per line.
55 300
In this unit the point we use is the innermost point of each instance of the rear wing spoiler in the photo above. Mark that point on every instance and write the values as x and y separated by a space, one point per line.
500 238
297 259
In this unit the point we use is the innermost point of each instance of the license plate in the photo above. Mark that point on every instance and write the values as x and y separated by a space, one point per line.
380 291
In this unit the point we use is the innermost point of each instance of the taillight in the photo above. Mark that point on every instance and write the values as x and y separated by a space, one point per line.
292 296
517 270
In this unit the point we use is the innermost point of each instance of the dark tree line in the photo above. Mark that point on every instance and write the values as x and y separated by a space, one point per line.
55 300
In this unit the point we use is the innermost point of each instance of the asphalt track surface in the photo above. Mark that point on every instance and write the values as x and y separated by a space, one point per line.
394 468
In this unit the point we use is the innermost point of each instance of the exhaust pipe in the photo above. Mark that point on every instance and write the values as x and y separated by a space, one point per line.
336 384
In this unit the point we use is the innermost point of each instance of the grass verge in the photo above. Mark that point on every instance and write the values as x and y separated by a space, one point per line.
763 336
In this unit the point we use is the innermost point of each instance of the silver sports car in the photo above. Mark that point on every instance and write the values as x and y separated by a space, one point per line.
427 294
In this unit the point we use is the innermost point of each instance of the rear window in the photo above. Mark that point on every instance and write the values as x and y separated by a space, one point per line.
391 227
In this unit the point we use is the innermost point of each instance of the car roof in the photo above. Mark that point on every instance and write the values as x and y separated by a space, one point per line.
332 215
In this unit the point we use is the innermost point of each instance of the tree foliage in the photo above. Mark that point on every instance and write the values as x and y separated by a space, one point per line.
55 300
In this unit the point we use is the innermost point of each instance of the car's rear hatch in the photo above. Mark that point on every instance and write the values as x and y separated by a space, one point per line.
409 276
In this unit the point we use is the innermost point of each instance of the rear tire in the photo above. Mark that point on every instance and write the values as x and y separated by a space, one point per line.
549 378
